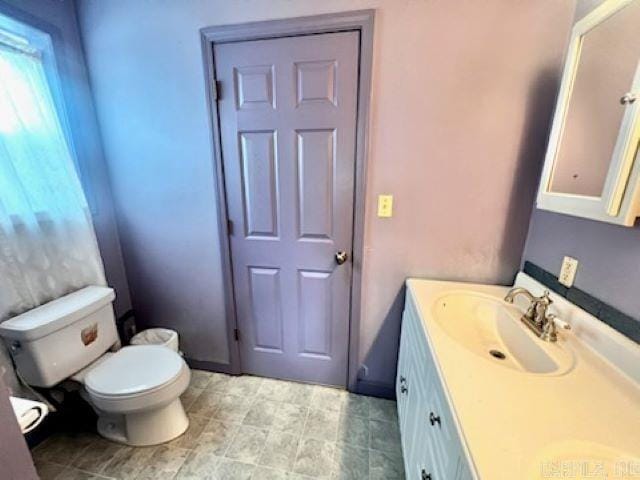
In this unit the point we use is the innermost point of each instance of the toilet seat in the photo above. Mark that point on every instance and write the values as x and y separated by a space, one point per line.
137 378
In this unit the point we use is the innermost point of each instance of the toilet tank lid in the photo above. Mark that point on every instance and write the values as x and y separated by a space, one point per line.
56 314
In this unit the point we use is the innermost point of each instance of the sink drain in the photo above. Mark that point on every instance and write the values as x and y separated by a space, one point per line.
497 354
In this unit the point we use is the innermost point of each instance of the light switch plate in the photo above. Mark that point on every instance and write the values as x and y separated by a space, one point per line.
385 206
568 271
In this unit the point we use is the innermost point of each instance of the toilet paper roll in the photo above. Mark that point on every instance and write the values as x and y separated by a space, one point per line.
28 413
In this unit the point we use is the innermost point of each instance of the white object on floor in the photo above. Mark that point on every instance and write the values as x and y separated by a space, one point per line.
28 412
157 336
135 391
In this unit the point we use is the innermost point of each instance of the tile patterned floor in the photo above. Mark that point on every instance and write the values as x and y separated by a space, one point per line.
247 428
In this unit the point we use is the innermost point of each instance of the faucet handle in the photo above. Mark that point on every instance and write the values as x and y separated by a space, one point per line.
546 298
550 328
558 322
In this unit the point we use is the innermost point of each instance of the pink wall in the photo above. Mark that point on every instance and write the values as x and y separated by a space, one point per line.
461 101
463 93
15 459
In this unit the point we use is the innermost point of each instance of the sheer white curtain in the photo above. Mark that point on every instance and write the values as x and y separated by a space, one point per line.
47 243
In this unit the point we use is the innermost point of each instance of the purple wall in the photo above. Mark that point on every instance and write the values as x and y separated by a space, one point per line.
609 255
459 116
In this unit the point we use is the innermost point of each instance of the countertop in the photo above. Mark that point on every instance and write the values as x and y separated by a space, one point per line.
509 419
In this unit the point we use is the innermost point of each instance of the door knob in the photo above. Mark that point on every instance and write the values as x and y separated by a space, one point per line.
341 257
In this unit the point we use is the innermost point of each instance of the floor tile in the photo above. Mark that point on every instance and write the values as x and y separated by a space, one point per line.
243 385
98 453
385 466
71 473
247 445
216 437
247 428
382 409
206 403
219 381
279 450
350 463
48 470
189 396
233 470
128 463
189 439
164 463
198 466
63 448
353 431
232 408
328 398
273 389
261 413
315 458
299 394
356 405
384 436
322 425
267 473
290 418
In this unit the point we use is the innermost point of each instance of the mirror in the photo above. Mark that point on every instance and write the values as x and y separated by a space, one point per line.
594 139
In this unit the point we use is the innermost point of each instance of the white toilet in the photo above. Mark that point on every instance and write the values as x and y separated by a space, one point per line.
135 390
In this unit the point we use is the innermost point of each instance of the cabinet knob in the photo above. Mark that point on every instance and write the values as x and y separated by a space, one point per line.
425 475
402 379
403 389
433 419
628 98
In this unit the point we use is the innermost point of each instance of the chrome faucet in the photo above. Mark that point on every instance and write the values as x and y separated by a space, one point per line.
541 323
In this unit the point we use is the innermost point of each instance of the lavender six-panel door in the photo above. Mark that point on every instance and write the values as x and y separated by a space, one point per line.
288 126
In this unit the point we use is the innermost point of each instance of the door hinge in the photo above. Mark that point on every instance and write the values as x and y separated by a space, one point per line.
216 89
236 334
229 227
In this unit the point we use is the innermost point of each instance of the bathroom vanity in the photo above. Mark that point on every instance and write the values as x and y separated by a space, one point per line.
481 397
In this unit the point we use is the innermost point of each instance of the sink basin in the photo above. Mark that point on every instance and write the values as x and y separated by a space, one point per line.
578 459
492 329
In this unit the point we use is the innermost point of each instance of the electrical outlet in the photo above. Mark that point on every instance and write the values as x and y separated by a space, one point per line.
385 206
568 271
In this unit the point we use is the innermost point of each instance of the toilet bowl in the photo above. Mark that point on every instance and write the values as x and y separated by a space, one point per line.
135 390
136 394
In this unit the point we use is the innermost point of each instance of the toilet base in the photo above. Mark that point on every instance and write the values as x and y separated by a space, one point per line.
144 428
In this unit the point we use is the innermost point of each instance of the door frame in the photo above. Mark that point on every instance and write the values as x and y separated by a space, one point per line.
359 20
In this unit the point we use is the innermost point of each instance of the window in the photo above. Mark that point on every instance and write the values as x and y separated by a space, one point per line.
47 244
38 177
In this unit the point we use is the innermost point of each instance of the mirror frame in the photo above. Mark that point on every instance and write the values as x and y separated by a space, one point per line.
620 200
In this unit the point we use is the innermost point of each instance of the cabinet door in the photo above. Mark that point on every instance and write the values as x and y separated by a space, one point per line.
464 473
419 461
443 444
401 376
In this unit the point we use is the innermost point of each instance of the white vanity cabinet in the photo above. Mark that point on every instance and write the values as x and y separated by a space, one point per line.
430 443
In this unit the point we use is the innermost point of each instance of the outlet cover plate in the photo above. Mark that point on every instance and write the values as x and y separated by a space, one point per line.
385 206
568 271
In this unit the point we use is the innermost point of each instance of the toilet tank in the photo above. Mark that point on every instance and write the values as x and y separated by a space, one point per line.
55 340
